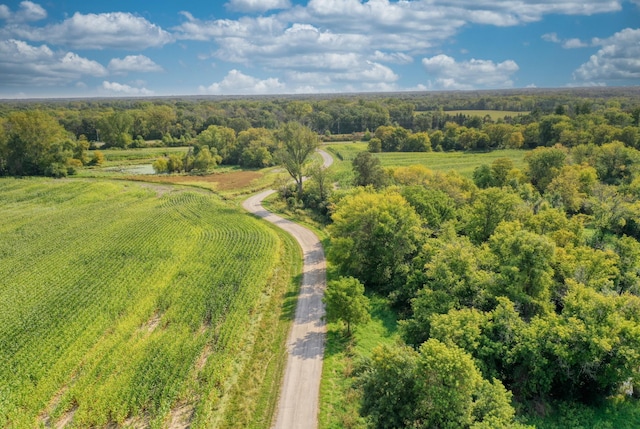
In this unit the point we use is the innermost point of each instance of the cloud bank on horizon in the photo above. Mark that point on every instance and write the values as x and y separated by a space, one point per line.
86 49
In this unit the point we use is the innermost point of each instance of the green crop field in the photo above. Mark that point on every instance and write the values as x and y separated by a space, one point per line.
462 162
137 305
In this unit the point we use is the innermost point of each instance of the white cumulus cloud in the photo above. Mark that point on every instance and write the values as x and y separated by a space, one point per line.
257 5
25 64
133 63
617 59
118 30
5 13
119 88
513 12
447 73
392 57
572 43
219 29
551 37
236 82
28 11
329 36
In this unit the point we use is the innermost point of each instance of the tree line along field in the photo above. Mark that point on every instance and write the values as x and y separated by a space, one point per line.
136 305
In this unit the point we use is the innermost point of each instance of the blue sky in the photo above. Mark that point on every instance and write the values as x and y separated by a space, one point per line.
123 48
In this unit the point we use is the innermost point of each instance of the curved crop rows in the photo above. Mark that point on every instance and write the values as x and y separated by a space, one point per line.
119 305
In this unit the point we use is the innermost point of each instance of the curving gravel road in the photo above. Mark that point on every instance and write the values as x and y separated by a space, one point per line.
299 394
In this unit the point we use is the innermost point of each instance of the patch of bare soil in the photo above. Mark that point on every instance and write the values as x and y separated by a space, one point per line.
67 418
45 416
182 414
202 360
136 423
152 323
181 417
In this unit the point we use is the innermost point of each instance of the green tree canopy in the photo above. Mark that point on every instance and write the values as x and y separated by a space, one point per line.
345 300
368 171
437 387
585 353
115 129
34 143
544 165
388 384
434 206
256 147
456 275
418 142
373 236
223 139
491 206
616 163
526 267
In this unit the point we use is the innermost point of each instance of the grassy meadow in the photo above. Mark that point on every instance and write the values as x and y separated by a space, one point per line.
138 305
461 162
120 157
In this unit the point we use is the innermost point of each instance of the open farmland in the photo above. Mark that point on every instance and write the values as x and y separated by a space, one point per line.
461 162
136 304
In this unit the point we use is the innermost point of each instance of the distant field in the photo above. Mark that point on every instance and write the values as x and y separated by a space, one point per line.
136 304
135 164
139 155
462 162
494 114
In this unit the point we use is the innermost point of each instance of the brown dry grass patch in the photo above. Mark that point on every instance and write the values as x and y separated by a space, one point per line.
222 181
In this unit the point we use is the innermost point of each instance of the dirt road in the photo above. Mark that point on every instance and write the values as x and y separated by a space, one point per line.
299 394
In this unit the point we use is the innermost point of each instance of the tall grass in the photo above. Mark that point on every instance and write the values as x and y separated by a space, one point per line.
339 399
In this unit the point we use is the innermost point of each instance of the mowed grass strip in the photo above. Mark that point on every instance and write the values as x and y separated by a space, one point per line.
125 304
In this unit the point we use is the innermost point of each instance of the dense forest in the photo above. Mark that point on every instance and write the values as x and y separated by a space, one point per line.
518 289
529 280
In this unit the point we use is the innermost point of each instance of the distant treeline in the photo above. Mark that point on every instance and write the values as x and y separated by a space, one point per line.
152 118
50 136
